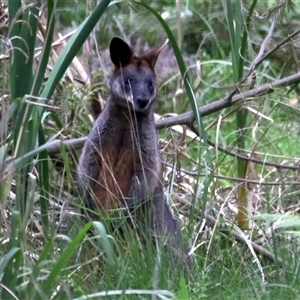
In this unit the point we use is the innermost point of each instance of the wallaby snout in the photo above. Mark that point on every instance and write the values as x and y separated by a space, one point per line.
143 102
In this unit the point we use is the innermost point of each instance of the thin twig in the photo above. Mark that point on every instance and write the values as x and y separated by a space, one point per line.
277 47
264 45
235 179
252 159
245 158
259 59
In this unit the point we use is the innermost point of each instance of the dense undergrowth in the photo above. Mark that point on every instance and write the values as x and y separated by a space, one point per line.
231 167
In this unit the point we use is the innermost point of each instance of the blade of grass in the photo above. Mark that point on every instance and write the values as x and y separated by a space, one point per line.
235 22
29 155
44 184
245 35
193 103
105 242
241 117
6 259
22 35
35 89
65 58
13 10
37 267
71 49
41 68
182 68
67 168
62 261
23 42
10 277
183 293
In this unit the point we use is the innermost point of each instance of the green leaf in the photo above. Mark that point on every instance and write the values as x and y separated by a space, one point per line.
105 242
6 259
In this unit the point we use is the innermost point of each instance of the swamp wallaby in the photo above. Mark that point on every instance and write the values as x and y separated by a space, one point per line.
120 165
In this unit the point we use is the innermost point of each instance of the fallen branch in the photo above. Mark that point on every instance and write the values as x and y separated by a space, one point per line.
211 221
188 118
72 144
228 231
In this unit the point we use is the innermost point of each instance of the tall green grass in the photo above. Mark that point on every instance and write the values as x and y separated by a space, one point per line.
28 94
238 26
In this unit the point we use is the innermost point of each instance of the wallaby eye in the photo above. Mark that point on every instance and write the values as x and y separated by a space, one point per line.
127 82
150 84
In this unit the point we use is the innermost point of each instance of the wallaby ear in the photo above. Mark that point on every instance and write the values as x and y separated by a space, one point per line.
120 52
152 55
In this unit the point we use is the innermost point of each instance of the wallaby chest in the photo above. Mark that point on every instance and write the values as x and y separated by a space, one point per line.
126 147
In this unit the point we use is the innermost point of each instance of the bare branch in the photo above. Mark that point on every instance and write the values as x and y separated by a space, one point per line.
188 118
290 37
211 221
72 144
229 231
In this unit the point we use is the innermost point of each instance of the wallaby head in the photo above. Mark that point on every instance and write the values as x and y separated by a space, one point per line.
133 83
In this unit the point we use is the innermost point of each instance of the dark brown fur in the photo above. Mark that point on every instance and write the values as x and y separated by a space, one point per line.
120 164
